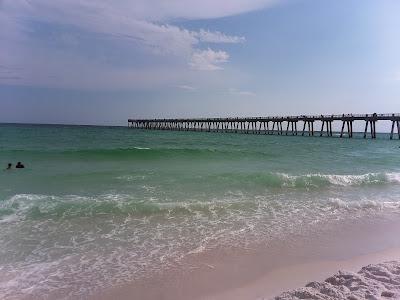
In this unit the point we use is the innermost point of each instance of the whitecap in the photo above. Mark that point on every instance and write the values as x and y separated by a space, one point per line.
338 179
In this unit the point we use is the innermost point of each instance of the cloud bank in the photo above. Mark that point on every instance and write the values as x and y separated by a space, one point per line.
84 43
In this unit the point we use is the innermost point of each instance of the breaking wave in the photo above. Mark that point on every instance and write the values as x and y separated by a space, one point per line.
344 180
56 208
283 180
122 238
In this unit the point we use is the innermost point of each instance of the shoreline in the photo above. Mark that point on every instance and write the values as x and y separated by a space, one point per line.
267 271
297 276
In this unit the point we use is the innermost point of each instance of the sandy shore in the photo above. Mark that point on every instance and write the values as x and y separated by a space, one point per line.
292 277
266 271
374 281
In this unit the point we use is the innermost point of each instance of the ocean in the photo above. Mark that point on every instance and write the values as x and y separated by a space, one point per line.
98 207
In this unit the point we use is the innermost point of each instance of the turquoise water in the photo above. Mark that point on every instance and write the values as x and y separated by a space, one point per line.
99 206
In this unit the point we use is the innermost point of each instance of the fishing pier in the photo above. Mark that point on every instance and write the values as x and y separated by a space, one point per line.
288 125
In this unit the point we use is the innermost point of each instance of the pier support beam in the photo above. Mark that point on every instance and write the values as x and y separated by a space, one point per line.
322 128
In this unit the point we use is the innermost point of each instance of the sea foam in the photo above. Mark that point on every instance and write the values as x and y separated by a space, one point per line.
318 179
83 243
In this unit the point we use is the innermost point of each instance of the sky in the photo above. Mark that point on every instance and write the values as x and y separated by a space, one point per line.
104 61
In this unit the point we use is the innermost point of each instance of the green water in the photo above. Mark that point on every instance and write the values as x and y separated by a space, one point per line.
98 206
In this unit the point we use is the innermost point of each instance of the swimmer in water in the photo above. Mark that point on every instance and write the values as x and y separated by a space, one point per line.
19 165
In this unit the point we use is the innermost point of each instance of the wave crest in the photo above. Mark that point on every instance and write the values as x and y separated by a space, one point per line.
343 180
282 180
34 206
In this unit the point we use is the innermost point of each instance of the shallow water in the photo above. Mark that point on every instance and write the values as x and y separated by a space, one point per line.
97 206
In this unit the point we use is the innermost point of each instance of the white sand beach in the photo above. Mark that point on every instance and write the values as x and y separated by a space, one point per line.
268 272
375 281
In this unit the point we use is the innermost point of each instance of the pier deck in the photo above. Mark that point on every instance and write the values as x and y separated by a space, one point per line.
287 125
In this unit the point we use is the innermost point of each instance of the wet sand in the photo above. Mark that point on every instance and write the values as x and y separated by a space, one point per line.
265 271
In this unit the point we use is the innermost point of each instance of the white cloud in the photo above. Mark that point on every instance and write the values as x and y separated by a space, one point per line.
152 10
208 60
242 93
142 25
217 37
186 87
161 10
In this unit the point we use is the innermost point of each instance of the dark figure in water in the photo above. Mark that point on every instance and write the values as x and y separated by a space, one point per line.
19 165
9 166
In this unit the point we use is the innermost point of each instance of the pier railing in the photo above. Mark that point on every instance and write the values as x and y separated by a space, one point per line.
280 125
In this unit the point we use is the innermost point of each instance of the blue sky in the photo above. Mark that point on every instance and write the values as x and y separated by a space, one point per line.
101 62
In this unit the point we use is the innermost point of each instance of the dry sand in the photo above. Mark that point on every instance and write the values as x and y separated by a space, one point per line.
266 271
374 281
293 277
